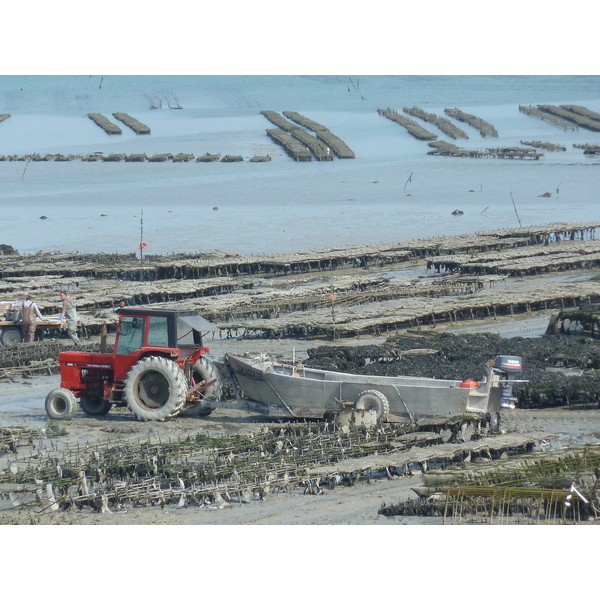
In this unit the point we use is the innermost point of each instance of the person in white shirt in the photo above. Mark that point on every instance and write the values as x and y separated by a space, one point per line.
69 312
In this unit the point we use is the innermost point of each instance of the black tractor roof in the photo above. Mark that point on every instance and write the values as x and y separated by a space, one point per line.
191 317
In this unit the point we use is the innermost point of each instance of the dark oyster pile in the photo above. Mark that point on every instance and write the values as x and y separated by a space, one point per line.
560 369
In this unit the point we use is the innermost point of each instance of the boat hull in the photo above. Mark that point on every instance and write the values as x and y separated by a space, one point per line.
301 392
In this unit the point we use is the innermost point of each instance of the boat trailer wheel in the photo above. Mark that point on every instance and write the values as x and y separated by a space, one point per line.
373 400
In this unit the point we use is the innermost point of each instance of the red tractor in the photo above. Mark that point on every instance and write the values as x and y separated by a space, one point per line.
157 369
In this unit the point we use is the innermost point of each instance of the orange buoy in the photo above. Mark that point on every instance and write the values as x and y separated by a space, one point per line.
470 383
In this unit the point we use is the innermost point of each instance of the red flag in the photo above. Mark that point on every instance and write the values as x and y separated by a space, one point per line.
143 245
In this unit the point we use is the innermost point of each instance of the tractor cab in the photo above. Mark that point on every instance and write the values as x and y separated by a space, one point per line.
175 334
161 328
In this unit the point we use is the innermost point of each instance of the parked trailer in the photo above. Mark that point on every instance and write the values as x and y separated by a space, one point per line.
11 330
12 333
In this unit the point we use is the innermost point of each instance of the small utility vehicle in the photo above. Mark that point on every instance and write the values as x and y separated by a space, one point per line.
157 369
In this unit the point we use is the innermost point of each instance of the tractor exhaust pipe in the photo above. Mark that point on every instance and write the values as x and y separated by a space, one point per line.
103 336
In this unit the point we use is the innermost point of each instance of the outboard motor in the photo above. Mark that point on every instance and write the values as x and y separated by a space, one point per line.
511 367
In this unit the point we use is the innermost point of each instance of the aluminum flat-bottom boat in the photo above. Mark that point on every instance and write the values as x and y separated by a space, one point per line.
286 390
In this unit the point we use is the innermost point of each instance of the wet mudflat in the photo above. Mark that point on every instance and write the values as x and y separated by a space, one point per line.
356 501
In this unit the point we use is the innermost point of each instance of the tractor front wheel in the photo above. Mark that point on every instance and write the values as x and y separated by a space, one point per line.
155 389
61 404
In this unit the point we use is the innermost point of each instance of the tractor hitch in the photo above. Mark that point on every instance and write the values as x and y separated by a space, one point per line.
196 391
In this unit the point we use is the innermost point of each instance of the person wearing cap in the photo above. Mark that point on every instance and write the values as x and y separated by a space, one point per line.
69 313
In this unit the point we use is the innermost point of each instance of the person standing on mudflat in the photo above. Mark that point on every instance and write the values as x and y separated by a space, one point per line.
29 313
69 312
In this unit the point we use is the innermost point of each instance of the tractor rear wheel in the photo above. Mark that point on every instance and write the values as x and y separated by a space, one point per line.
155 389
94 405
61 404
207 371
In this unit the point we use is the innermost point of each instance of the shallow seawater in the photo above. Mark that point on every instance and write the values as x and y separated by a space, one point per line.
391 191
